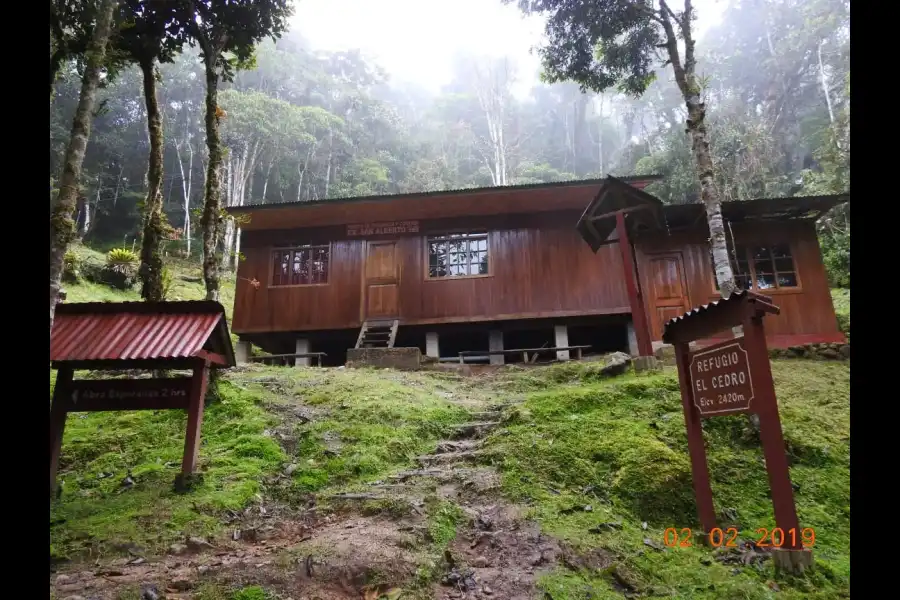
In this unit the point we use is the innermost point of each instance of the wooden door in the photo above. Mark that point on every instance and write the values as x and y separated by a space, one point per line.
381 285
667 293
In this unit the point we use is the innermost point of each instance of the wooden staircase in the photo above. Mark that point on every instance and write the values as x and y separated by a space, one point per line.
377 334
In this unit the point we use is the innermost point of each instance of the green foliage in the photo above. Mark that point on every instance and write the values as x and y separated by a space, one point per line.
840 297
121 259
229 31
251 593
636 470
835 244
71 271
167 282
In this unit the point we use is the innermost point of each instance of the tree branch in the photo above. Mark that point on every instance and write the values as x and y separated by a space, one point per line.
672 46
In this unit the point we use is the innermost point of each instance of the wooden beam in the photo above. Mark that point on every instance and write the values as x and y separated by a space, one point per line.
610 215
212 357
696 450
58 420
638 314
195 418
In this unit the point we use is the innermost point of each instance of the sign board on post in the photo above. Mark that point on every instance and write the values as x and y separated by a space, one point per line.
721 382
729 378
128 394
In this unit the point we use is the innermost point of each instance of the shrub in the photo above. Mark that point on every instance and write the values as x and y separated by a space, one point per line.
71 270
121 268
843 320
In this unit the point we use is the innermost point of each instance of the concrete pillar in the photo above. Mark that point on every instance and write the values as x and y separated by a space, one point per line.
302 347
242 352
561 333
431 345
495 342
632 340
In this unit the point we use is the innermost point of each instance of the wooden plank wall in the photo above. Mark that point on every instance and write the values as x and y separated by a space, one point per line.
807 311
540 267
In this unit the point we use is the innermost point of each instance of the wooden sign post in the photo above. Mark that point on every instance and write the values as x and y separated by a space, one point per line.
116 336
735 377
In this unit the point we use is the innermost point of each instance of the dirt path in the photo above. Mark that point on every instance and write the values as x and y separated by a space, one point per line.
371 542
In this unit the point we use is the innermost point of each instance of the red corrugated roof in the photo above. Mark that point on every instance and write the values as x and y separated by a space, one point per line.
133 330
738 295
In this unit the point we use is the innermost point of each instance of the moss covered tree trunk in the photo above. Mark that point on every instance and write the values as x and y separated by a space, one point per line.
211 219
62 225
151 269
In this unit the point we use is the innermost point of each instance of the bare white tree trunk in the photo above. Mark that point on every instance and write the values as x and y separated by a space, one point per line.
492 91
266 182
186 189
330 155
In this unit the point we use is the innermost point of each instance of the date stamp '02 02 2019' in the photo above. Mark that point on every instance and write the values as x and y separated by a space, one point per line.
766 538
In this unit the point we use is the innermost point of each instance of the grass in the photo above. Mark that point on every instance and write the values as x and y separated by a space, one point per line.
620 447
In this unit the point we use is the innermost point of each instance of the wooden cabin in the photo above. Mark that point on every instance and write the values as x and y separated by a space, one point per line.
596 263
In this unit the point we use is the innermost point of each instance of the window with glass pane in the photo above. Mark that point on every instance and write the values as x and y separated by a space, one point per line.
774 267
763 267
739 267
303 265
457 255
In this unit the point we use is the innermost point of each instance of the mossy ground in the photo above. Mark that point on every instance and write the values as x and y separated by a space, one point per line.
620 447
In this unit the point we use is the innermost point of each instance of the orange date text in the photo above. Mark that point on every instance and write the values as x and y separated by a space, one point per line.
765 538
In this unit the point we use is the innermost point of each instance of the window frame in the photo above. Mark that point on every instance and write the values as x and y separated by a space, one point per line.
292 248
446 235
751 267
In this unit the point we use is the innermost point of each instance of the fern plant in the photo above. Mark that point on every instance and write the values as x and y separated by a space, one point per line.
121 260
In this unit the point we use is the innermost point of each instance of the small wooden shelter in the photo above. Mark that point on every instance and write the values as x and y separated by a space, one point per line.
117 336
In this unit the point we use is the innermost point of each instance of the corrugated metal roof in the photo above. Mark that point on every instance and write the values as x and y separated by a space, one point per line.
125 331
713 306
637 181
758 209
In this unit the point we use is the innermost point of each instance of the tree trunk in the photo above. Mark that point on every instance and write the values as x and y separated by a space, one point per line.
62 226
211 219
709 195
265 190
151 269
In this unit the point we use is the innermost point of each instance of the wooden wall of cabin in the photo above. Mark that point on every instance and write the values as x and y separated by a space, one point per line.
539 267
807 312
